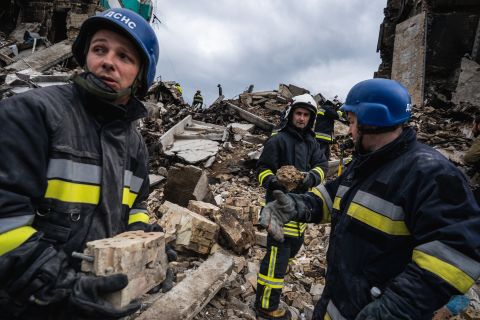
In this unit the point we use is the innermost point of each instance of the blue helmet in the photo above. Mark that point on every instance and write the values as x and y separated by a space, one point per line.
379 103
130 24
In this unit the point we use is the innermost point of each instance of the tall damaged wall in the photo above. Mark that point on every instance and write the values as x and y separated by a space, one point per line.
57 19
422 43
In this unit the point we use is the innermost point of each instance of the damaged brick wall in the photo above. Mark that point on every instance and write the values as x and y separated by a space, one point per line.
450 34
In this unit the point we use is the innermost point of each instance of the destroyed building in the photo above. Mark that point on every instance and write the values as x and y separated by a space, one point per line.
431 46
204 190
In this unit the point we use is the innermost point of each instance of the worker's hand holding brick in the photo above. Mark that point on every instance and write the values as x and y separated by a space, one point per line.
88 290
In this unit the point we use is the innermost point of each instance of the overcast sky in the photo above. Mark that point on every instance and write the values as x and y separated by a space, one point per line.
324 46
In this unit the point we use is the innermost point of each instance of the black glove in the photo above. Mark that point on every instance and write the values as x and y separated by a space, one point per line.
48 279
387 306
273 184
86 297
275 214
307 183
154 227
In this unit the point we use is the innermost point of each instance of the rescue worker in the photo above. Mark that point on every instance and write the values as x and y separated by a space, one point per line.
324 125
220 90
197 100
405 225
74 169
179 89
294 144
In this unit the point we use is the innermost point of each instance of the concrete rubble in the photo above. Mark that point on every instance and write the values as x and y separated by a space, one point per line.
204 190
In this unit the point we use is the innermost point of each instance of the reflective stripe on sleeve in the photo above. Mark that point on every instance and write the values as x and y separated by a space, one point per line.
321 112
72 192
451 265
132 182
138 217
262 175
14 238
128 197
320 173
10 223
323 136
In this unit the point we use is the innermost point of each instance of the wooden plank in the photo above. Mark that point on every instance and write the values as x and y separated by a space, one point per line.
189 297
250 117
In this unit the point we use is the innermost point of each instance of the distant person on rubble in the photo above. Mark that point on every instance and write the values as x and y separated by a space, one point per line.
197 100
293 144
220 90
74 169
324 125
405 233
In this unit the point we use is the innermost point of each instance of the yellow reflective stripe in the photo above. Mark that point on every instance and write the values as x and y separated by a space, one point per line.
274 283
320 172
327 317
138 217
266 297
72 192
378 221
292 224
451 274
322 113
263 175
14 238
336 203
128 197
323 137
326 216
273 133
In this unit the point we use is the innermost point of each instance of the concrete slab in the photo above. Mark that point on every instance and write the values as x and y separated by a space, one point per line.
194 151
408 66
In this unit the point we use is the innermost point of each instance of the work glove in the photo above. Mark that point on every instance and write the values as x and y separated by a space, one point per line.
86 298
154 227
307 183
48 279
276 213
274 184
387 306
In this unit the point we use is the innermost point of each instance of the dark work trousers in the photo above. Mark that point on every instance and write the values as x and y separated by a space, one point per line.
273 269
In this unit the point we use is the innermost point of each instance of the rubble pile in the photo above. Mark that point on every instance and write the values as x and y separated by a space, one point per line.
206 195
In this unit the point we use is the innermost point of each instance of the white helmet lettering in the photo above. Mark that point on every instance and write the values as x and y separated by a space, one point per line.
118 16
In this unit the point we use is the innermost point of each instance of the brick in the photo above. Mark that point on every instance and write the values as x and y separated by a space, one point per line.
203 208
139 255
192 231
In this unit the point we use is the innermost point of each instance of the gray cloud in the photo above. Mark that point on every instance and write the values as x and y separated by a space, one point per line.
323 45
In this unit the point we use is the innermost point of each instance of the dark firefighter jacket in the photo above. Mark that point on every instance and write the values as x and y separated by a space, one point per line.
73 169
197 98
404 221
326 116
291 147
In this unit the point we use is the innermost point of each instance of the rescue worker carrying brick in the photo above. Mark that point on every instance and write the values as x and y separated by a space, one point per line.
294 144
405 225
324 125
74 169
197 100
